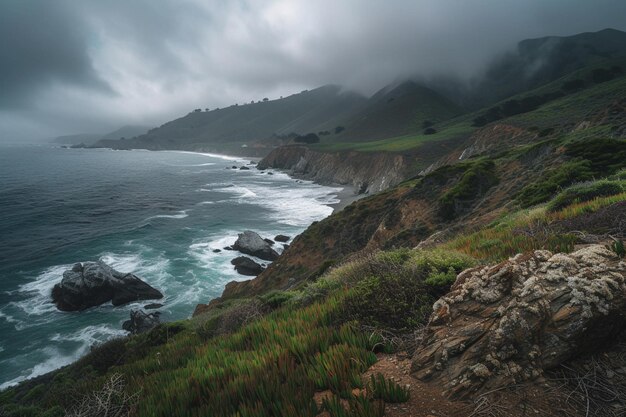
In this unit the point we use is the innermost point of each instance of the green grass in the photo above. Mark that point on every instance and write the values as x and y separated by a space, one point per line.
398 144
590 159
583 192
271 366
477 179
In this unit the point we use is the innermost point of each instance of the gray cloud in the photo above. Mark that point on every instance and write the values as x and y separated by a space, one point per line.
69 66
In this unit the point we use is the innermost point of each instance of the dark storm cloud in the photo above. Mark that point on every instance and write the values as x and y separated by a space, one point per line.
91 65
41 43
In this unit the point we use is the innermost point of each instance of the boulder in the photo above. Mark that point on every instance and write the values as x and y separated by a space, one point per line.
152 306
93 283
244 168
282 238
505 324
141 322
269 241
252 244
246 266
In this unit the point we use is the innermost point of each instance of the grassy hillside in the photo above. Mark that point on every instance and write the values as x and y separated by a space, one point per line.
229 128
536 62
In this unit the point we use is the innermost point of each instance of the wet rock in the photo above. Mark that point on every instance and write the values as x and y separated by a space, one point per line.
252 244
217 250
246 266
93 283
507 323
141 322
245 168
270 241
282 238
152 306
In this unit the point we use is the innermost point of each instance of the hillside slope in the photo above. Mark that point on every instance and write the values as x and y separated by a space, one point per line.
257 126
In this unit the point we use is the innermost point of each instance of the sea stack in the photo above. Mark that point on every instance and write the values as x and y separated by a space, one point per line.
93 283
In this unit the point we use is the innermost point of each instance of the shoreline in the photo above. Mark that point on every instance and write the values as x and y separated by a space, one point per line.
346 197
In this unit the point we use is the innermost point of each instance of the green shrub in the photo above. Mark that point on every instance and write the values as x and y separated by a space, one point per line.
275 299
619 248
585 192
397 288
387 390
546 187
475 181
606 156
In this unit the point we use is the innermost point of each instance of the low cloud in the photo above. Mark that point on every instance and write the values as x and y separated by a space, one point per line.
91 66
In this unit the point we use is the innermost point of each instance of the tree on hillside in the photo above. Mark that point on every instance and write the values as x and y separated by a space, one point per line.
266 99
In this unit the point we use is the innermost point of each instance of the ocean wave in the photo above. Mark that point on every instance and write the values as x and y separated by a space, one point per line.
179 215
55 357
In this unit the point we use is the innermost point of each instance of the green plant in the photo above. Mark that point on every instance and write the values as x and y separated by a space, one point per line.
618 247
550 183
586 191
354 406
387 390
275 299
476 180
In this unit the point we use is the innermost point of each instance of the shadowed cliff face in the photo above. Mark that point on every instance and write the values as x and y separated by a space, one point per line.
367 172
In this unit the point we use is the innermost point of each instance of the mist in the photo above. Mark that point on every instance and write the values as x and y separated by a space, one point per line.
92 66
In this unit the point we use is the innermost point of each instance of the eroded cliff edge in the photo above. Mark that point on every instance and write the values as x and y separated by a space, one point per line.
367 172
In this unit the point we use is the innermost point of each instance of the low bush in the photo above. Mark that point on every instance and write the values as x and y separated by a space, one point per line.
397 288
387 390
547 186
475 181
585 192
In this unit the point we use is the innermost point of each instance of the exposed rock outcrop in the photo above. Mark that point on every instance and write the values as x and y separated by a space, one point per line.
93 283
252 244
246 266
507 323
367 172
141 322
282 238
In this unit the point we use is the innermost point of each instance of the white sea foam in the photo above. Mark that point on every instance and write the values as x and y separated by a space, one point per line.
55 358
213 155
39 302
179 215
151 268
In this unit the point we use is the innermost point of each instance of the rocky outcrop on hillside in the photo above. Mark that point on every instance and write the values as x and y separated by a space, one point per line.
505 324
93 283
141 322
367 172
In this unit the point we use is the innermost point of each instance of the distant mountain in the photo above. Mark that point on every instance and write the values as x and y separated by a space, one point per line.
128 131
88 139
78 138
335 115
254 125
536 62
396 110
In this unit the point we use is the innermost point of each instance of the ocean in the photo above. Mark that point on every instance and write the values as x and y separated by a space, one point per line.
158 215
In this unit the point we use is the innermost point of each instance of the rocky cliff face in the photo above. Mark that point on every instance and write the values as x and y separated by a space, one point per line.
367 172
505 324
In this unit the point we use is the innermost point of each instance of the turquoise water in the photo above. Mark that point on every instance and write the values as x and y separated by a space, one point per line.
156 214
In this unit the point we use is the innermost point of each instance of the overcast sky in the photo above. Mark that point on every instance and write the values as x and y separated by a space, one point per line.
69 66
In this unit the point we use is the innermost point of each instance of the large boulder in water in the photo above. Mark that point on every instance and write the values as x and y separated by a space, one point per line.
246 266
505 324
251 243
93 283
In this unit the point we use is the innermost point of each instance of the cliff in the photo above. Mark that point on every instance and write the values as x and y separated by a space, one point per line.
367 172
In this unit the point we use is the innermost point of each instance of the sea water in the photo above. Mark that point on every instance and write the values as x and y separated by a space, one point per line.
159 215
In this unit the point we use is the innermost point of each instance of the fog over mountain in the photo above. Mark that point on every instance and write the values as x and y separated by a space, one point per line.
93 66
